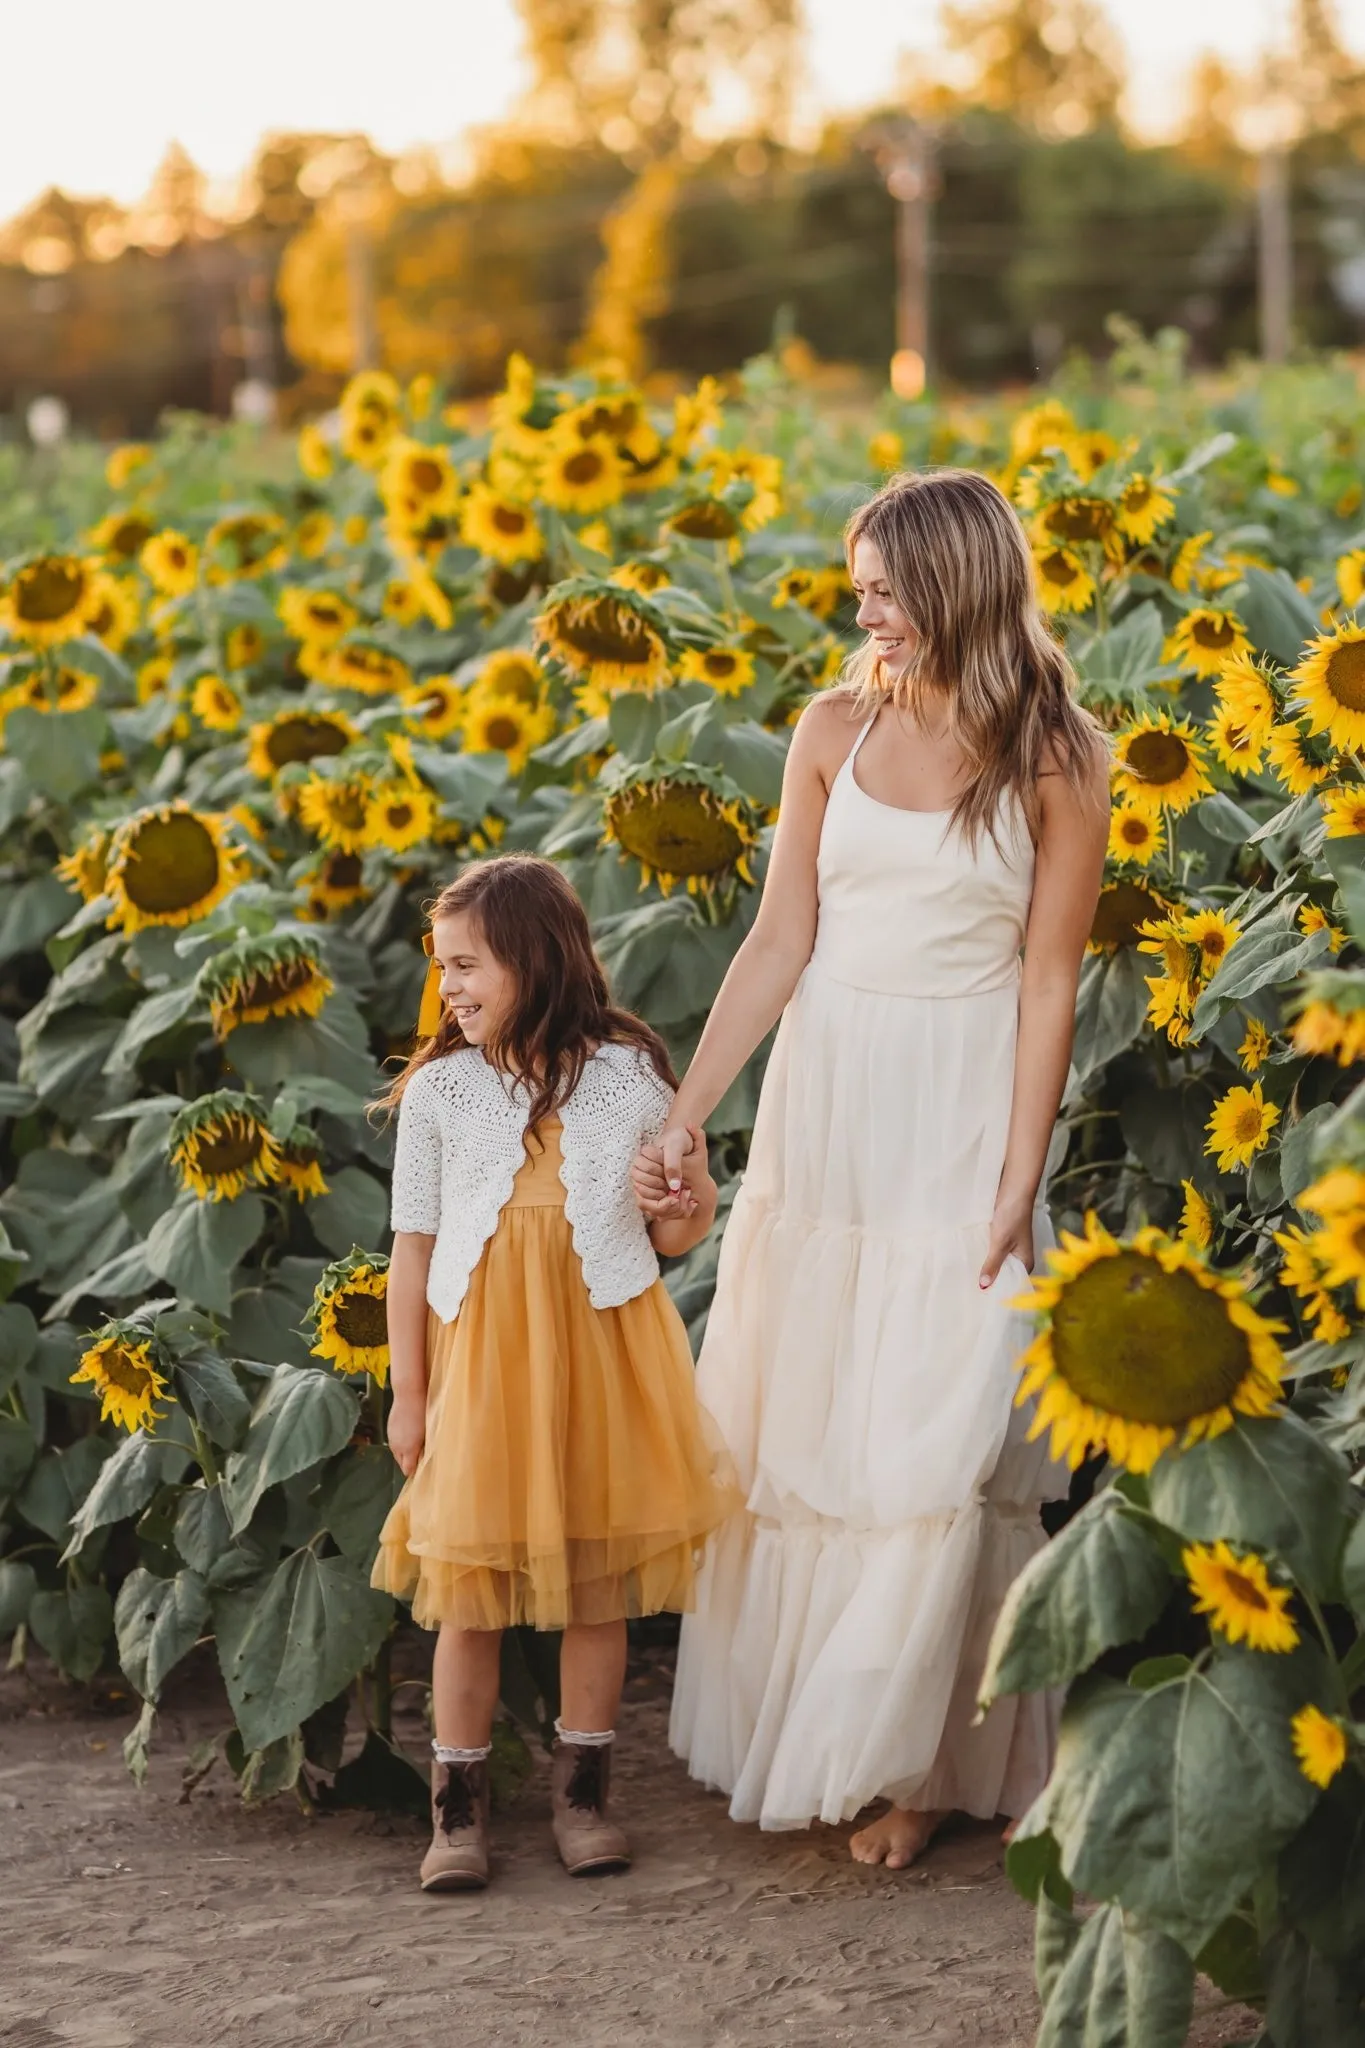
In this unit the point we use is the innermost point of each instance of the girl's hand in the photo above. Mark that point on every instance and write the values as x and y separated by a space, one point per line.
1011 1231
407 1433
664 1195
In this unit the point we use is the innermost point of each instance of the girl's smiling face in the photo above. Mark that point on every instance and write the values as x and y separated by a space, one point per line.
880 617
475 985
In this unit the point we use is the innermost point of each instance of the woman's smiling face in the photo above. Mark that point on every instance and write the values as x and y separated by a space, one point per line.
880 617
475 985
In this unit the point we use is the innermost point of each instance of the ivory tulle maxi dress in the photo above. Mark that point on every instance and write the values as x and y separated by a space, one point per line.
862 1379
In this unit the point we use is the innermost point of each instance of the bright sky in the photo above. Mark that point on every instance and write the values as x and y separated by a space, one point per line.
96 116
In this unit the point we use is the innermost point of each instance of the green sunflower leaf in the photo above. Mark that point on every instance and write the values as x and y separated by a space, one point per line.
195 1246
355 1210
126 1482
303 1417
1122 1985
74 1627
157 1622
289 1646
1270 1483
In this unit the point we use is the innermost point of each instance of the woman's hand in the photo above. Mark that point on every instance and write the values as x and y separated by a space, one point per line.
407 1432
666 1175
1011 1231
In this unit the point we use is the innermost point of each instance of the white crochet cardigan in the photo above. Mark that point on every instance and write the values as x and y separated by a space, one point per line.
461 1139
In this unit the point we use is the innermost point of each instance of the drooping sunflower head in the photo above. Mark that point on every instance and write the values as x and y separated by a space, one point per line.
601 630
1160 762
1120 914
496 724
400 815
682 825
50 599
362 666
705 517
1236 1593
642 575
127 1369
317 616
348 1315
502 528
1064 582
171 561
296 736
86 865
246 545
221 1144
1073 521
170 865
278 974
1206 641
1331 685
726 670
1142 1346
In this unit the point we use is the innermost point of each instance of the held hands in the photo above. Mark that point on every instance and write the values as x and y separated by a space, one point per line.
666 1176
1011 1231
407 1432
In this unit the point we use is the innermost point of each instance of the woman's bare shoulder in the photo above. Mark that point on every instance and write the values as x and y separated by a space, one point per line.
827 729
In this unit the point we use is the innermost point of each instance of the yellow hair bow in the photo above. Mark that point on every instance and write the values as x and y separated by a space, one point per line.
431 1008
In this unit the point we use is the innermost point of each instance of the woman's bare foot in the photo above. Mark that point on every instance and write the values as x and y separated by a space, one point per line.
896 1838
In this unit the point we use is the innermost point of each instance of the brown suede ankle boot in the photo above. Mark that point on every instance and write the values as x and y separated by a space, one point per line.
580 1779
457 1860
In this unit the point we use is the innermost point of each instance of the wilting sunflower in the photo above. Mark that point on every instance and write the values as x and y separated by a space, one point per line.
1196 1218
1160 761
296 736
359 665
170 865
59 688
434 707
1237 746
1344 810
246 544
114 611
500 527
1319 1744
348 1315
337 881
1064 583
1331 1022
1255 1045
1297 759
505 725
273 975
1143 507
128 1373
221 1145
399 815
317 616
336 809
86 865
121 536
1236 1594
417 480
600 630
1071 521
1240 1127
1122 911
705 517
1351 577
171 560
1206 641
1305 1272
301 1170
682 827
216 704
50 599
1135 833
1331 685
1142 1347
727 670
581 476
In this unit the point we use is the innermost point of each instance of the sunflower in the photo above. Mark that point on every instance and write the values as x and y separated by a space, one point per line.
1237 746
1240 1126
242 646
114 611
1196 1219
313 535
682 827
122 536
360 665
335 883
1332 1021
256 978
1064 583
581 476
1305 1273
127 1373
615 636
319 617
1351 577
301 1171
435 707
1161 761
247 544
1205 641
511 673
370 409
1040 428
1120 915
337 810
124 462
154 676
1236 1594
349 1317
1319 1744
1186 562
727 670
1313 918
1088 450
500 528
1331 680
1143 506
1215 936
762 473
643 576
85 866
1296 760
314 454
171 560
1072 521
216 705
418 480
1142 1347
170 865
504 725
1255 1045
57 689
704 518
296 736
1344 810
885 452
50 599
355 528
399 815
1135 833
221 1144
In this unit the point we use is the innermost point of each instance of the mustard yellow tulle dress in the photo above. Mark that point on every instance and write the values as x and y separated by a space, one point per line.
569 1473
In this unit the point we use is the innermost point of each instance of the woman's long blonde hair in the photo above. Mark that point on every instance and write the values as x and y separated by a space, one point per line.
959 567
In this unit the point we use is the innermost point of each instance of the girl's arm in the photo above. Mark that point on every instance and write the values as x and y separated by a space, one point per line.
406 1305
672 1234
1066 887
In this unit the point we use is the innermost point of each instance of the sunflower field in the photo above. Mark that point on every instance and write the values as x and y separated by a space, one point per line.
256 712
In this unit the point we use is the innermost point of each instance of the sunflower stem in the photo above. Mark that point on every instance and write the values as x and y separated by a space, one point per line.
203 1451
1310 1601
383 1689
727 582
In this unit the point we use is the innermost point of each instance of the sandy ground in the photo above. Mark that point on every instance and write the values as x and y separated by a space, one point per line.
133 1920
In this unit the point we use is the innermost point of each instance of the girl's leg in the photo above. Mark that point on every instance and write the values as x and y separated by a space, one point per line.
464 1685
592 1667
464 1693
592 1670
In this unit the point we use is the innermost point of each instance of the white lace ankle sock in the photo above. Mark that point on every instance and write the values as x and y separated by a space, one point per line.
578 1738
444 1754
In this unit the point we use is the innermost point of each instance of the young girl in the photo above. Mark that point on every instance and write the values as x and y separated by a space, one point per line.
544 1413
943 815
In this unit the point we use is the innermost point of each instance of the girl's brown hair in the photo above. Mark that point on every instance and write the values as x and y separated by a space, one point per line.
959 567
534 925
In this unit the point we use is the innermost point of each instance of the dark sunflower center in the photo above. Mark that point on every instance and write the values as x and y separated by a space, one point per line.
1136 497
1059 569
426 476
1119 913
1079 519
677 833
503 733
609 632
706 521
1247 1127
1346 675
172 864
361 1320
129 537
1159 757
1245 1590
509 519
1154 1347
343 871
125 1370
262 991
300 739
1215 634
584 468
1135 831
347 807
221 1149
398 816
519 680
49 590
325 617
720 666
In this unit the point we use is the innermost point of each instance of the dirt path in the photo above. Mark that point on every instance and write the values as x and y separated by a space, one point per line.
133 1921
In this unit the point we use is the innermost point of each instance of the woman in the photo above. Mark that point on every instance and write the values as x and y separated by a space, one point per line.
944 810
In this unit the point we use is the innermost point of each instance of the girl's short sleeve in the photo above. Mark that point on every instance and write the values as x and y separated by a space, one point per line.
416 1202
657 1103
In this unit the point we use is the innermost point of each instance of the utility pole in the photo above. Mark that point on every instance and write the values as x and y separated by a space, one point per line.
904 150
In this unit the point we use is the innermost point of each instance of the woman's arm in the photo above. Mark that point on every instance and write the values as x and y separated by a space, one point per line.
678 1228
406 1305
1066 887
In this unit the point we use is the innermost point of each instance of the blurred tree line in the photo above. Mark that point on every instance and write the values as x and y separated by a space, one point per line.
600 221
